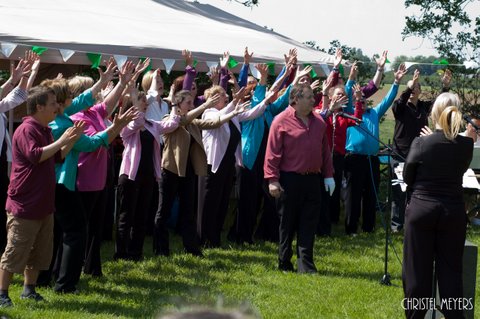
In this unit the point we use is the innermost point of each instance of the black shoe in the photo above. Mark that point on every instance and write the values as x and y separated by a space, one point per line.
5 302
34 295
285 266
195 252
73 291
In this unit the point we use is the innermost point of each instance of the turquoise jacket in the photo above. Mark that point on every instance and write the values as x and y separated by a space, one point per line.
358 141
66 172
252 131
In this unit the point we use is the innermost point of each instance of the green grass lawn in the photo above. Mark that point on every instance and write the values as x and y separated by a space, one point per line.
346 286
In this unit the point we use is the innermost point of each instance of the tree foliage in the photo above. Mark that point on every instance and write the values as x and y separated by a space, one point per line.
449 24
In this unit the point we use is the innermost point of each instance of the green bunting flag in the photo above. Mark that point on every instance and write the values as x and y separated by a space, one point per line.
39 50
313 74
341 70
443 62
231 63
436 62
149 67
387 61
95 58
195 63
271 68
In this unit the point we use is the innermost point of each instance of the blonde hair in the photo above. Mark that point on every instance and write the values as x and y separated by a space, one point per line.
451 122
147 80
441 103
79 83
215 89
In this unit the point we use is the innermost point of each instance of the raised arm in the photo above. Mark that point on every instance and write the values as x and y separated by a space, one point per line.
190 72
243 76
377 78
125 75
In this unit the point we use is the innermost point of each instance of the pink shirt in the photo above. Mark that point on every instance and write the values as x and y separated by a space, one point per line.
295 147
133 148
92 166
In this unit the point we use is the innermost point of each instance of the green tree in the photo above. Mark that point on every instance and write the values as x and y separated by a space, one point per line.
449 24
454 30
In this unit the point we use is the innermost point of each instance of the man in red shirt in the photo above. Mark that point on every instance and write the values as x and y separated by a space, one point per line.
31 193
297 161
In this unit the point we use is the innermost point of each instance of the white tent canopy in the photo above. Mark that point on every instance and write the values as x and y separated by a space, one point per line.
158 29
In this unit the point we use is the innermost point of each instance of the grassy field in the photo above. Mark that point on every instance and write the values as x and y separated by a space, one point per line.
346 286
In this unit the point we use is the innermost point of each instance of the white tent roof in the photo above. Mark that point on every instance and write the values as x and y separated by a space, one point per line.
158 29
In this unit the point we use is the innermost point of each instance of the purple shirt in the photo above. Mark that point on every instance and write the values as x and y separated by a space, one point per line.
295 147
92 166
31 193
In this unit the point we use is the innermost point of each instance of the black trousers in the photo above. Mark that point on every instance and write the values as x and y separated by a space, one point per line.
334 200
218 187
298 208
435 228
71 218
170 186
95 204
399 199
134 199
253 189
363 178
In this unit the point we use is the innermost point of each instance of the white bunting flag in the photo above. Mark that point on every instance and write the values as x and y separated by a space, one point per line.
168 64
211 64
7 48
325 69
66 54
120 59
409 64
253 70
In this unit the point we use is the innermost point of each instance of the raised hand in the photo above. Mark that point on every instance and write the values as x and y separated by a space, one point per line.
238 95
73 133
212 100
108 88
357 92
214 74
381 60
338 58
446 78
353 71
34 60
121 119
301 73
187 55
291 57
242 107
337 102
327 84
109 73
247 57
402 70
126 73
23 68
425 131
262 68
315 85
224 59
415 79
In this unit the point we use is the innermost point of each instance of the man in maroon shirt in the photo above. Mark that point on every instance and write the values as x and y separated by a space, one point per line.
31 193
297 161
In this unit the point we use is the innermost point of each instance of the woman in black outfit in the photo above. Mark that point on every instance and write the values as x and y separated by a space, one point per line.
435 219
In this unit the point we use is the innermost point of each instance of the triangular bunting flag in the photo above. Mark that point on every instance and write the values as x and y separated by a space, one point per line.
195 62
387 61
313 74
149 67
7 48
341 70
211 64
66 54
232 63
168 65
436 62
95 58
39 50
409 64
120 59
325 69
388 67
253 70
271 68
443 62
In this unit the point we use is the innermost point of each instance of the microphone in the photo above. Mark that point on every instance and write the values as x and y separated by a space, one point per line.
348 116
470 121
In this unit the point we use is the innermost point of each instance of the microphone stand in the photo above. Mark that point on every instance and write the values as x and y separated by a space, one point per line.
385 280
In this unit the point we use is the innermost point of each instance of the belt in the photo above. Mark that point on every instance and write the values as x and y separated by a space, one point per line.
309 173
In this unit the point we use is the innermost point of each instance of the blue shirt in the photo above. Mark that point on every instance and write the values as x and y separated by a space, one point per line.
358 141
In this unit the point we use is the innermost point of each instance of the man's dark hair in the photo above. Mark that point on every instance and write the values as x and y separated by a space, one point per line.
297 92
38 95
